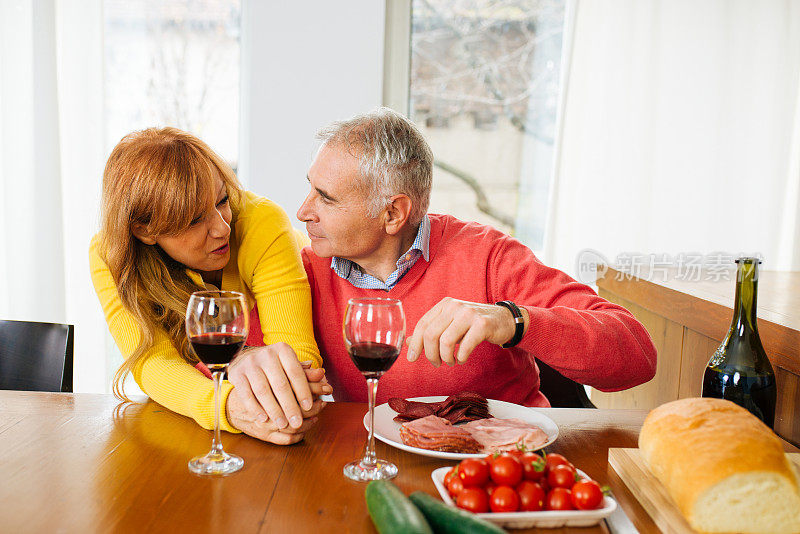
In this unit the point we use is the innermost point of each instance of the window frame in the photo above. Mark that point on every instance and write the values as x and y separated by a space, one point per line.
397 56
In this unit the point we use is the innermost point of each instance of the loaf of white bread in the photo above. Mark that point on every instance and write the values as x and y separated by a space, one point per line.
725 469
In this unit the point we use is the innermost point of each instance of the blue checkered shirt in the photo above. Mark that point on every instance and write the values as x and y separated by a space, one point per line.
351 272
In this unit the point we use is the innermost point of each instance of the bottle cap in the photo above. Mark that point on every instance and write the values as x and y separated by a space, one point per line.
748 259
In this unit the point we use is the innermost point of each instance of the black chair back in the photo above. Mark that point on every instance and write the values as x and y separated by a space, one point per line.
560 390
36 356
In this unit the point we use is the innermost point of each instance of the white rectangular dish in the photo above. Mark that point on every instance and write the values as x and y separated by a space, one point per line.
544 519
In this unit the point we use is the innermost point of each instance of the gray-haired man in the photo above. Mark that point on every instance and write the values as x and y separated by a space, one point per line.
473 296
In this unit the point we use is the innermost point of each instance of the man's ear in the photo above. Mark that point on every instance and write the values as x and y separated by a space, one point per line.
139 230
397 213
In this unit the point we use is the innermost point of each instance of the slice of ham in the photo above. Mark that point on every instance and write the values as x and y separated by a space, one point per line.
484 435
437 434
497 435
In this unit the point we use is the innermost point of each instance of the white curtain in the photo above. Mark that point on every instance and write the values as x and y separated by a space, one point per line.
679 132
32 250
51 161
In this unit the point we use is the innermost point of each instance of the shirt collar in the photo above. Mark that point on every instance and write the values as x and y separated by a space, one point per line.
423 239
344 267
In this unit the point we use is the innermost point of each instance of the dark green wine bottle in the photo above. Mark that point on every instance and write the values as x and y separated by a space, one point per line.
739 369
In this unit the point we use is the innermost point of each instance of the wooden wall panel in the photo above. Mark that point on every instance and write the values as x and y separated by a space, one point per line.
697 350
706 306
687 324
787 412
667 337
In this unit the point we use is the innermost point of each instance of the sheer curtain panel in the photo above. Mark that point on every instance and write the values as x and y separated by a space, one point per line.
51 159
680 131
32 251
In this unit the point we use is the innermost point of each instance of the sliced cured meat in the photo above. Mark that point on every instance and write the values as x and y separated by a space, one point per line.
416 410
397 404
503 434
458 408
484 435
437 434
429 425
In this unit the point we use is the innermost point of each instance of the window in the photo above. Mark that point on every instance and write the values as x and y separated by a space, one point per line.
173 63
484 90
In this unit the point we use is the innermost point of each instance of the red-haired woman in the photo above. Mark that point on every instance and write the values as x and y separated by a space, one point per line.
175 220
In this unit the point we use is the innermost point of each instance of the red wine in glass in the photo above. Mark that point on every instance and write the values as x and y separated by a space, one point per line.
217 349
216 327
373 359
374 329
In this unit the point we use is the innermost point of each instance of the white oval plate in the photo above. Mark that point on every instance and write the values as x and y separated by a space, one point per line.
388 430
543 519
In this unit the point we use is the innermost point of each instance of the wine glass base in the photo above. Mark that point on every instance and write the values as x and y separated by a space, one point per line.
216 464
382 470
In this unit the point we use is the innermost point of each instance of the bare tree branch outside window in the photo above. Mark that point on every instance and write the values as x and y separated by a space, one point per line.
174 63
491 66
171 63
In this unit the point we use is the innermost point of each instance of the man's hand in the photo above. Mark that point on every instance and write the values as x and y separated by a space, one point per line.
452 323
271 385
268 431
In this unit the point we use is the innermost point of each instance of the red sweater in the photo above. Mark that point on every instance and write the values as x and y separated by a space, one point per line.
581 335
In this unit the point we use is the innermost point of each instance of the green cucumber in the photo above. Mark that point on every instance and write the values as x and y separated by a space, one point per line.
447 519
392 512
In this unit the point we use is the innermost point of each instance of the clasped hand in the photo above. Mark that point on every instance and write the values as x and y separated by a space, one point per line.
451 330
275 398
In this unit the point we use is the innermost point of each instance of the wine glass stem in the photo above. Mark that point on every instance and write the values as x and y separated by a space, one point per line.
216 445
372 392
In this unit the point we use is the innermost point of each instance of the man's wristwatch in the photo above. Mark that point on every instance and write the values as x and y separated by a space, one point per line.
519 322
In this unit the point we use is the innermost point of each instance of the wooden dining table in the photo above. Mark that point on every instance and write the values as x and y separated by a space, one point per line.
88 463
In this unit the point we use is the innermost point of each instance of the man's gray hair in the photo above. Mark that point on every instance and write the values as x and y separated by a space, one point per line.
393 158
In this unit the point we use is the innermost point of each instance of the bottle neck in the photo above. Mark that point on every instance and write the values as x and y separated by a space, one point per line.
744 311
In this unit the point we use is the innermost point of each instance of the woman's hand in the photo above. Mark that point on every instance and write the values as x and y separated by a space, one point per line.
269 431
271 385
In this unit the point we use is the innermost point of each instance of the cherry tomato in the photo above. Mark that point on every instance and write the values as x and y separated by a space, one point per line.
531 496
558 499
587 495
545 486
516 453
532 466
473 472
561 476
490 487
506 471
473 499
554 459
504 499
450 474
455 486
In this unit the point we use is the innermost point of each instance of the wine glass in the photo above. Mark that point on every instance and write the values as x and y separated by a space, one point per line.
374 329
216 325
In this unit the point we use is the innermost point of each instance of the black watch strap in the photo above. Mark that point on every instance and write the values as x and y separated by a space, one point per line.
519 322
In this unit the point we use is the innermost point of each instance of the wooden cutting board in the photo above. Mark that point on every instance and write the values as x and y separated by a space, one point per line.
652 495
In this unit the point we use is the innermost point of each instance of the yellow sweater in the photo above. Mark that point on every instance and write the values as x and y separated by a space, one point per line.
265 265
